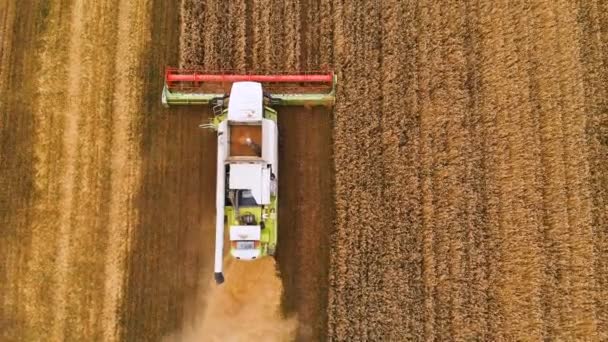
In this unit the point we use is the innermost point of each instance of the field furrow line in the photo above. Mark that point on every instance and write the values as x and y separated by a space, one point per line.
7 18
277 48
88 230
600 193
325 39
454 99
123 164
238 12
262 48
356 130
430 54
344 259
196 17
71 120
210 35
558 311
522 239
310 34
576 155
492 56
49 156
594 59
371 115
54 152
225 38
476 321
401 313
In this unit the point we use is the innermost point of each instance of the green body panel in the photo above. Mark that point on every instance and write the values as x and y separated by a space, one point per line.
176 98
269 235
305 99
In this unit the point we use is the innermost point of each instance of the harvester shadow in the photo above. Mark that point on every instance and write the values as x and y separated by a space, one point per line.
305 215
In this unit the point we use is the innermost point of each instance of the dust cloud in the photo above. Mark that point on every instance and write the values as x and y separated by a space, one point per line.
245 307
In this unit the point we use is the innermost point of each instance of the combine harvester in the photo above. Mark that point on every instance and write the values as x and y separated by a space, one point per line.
247 147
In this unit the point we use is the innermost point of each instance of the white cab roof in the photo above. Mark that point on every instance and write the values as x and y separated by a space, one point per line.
246 102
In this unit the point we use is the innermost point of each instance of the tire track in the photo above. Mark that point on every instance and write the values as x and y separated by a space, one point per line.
133 31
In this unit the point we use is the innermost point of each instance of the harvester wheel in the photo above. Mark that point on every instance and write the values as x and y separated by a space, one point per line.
271 250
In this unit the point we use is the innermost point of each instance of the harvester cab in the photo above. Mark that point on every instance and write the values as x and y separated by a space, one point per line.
245 120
